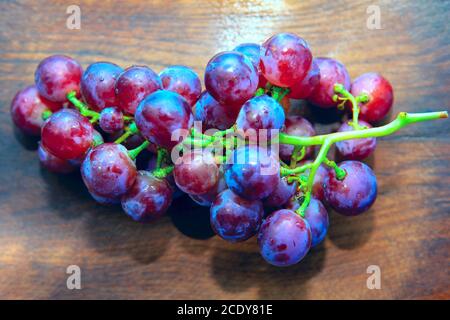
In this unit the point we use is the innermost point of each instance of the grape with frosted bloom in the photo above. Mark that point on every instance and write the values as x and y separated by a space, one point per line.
148 199
300 127
231 78
27 108
133 85
111 120
355 193
331 73
319 179
67 134
206 199
97 85
182 80
282 193
52 163
302 89
284 238
213 114
252 172
160 114
285 59
234 218
56 76
196 172
253 52
356 149
108 171
261 112
380 93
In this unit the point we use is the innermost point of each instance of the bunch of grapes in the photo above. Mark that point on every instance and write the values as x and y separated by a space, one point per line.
102 119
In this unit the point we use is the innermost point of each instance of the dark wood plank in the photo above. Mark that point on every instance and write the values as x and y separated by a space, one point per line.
48 222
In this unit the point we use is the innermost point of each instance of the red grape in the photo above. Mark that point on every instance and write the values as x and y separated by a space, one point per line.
319 180
261 112
108 171
355 149
148 199
331 73
317 217
56 76
300 127
253 52
212 114
196 172
252 173
160 114
207 199
302 89
284 238
111 120
52 163
285 59
231 78
234 218
381 96
355 193
282 193
97 85
133 85
182 80
27 108
67 134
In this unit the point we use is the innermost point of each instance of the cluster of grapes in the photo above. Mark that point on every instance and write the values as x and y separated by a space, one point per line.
102 119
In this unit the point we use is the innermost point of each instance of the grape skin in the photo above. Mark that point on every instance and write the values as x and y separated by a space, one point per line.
231 78
303 89
97 85
212 114
160 114
331 72
182 80
284 238
381 96
67 134
235 219
355 149
282 193
300 127
27 108
285 59
56 76
252 173
108 171
356 193
52 163
111 120
319 179
196 172
148 199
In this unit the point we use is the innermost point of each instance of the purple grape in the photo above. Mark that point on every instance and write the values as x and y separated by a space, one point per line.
300 127
261 112
148 199
206 199
133 85
355 193
284 238
302 89
319 180
317 217
56 76
160 114
108 171
111 120
52 163
285 59
212 114
282 193
27 108
196 172
231 78
234 218
253 173
356 149
182 80
97 85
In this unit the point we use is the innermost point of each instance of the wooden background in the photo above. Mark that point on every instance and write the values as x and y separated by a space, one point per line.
49 222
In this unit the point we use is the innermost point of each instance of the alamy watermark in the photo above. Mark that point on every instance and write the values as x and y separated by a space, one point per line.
74 279
73 21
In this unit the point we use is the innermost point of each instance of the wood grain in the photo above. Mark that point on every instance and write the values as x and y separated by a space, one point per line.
48 222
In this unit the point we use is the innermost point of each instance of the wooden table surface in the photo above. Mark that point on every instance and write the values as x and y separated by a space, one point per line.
48 222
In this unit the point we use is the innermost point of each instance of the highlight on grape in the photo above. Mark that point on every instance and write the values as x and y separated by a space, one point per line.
236 147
